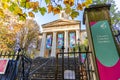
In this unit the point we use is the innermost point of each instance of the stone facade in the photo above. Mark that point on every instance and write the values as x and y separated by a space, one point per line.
53 29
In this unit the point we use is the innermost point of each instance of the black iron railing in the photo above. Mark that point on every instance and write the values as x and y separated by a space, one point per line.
18 66
77 62
11 70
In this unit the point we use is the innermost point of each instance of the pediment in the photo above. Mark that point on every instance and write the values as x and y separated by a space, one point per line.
61 22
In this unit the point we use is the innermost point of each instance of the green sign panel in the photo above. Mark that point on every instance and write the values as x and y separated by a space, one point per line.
104 45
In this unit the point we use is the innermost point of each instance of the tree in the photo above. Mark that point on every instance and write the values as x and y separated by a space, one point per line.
24 8
8 31
28 36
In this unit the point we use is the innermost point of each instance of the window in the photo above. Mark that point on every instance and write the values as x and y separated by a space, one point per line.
49 41
60 41
72 39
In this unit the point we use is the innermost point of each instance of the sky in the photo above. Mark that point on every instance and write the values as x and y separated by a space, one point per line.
51 17
117 2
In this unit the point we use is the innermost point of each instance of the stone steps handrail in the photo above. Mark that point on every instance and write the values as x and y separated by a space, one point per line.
40 66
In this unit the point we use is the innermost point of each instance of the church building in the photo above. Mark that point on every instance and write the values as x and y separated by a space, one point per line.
58 33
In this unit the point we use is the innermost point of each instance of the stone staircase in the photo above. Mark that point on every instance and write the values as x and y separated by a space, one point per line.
45 69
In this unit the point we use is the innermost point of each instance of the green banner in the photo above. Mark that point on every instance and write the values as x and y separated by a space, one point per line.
104 45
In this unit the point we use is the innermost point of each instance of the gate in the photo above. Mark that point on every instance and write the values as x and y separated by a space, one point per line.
18 66
74 65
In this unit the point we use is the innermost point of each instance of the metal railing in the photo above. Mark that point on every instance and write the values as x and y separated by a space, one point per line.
11 70
79 62
16 68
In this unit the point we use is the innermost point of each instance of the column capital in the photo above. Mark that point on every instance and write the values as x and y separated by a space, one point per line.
66 30
55 32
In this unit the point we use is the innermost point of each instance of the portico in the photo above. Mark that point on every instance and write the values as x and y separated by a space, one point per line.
61 32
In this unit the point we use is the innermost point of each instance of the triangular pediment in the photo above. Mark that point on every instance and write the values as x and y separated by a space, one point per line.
61 22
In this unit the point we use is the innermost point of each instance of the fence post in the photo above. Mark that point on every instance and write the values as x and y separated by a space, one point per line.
63 62
56 74
23 67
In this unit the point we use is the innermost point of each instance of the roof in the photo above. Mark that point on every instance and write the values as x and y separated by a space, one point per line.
61 22
93 7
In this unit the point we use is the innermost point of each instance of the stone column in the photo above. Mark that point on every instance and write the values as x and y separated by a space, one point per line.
77 36
43 44
53 51
66 41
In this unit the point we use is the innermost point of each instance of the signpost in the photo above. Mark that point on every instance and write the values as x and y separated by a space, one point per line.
102 43
3 65
107 57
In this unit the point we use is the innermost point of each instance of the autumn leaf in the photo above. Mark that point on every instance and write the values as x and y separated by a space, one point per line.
4 1
22 0
74 14
17 10
47 1
36 4
79 7
28 5
66 2
27 0
83 4
5 5
31 14
89 1
2 13
68 10
22 4
71 2
31 4
56 10
42 10
35 10
60 7
86 4
50 8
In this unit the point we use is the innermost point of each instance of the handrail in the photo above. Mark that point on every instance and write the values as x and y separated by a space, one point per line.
40 66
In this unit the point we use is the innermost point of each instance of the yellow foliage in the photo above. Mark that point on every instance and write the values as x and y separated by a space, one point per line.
69 2
34 5
56 10
2 13
31 14
17 10
50 8
79 7
5 5
89 1
66 1
83 4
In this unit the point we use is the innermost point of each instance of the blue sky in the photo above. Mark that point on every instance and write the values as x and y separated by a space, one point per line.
117 2
51 17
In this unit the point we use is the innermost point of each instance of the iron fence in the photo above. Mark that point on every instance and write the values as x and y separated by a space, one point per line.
74 63
16 69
